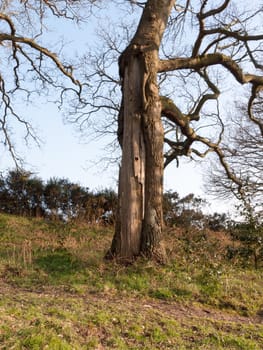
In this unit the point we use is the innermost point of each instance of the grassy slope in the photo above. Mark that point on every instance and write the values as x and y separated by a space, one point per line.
56 292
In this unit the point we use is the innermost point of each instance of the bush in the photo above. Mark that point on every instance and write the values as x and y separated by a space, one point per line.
250 239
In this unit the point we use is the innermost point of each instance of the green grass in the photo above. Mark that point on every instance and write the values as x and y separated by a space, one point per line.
57 292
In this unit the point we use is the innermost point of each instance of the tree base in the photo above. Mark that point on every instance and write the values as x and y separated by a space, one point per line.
158 255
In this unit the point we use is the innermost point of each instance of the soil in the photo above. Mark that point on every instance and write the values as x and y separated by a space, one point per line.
174 310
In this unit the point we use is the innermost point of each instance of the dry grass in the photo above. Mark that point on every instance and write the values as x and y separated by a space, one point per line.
57 292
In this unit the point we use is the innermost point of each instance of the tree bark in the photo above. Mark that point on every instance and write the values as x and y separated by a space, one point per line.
154 138
139 219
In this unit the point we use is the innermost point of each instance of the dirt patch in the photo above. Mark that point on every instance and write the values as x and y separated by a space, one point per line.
179 311
174 310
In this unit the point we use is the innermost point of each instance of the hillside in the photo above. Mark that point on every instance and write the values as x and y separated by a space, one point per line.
57 292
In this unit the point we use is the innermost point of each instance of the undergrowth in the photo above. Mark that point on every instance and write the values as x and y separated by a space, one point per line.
57 292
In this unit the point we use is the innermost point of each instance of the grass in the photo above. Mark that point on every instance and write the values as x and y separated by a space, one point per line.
57 292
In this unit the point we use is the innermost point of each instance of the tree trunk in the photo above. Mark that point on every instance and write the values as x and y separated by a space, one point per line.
139 217
153 136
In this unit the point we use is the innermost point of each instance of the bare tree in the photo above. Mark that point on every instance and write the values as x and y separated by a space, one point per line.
30 68
180 60
222 41
243 149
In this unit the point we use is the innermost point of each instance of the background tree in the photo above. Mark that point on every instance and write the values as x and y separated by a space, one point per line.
184 212
29 67
244 151
56 195
21 193
248 232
